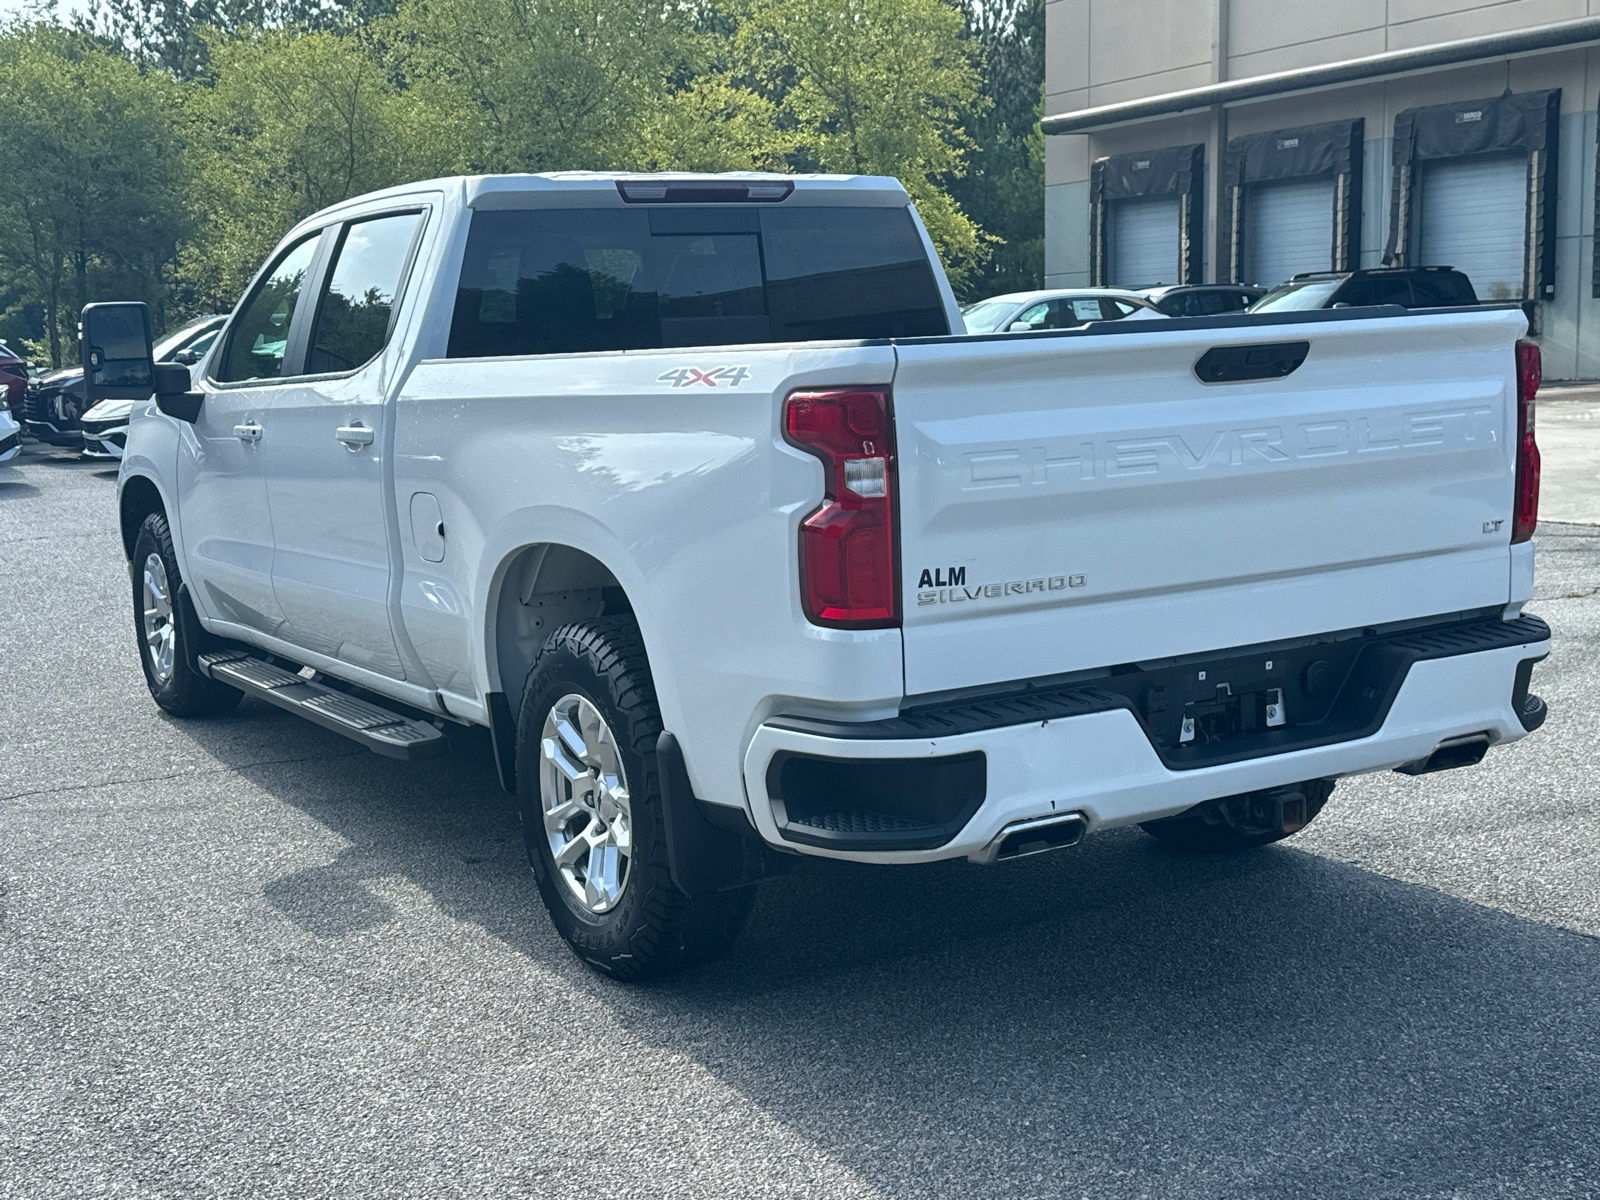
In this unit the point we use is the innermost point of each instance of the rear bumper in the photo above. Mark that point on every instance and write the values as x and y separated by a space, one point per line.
1103 765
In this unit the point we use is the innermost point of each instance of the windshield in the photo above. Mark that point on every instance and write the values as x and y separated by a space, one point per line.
1293 296
986 315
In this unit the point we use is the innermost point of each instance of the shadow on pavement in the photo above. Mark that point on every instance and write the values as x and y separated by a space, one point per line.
1266 1024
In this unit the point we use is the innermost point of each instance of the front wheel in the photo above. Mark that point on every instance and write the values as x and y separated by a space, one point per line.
589 791
165 623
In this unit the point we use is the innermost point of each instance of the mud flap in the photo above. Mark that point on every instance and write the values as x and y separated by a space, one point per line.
704 856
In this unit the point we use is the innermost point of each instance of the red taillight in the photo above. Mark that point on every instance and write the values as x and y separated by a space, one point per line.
1530 369
847 546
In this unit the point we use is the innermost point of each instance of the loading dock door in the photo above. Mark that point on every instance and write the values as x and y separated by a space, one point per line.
1144 241
1291 229
1474 216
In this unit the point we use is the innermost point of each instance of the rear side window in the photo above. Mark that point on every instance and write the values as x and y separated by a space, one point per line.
1376 289
357 302
1442 289
562 281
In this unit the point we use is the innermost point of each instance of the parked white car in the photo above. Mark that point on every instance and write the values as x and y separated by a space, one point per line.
1024 312
691 491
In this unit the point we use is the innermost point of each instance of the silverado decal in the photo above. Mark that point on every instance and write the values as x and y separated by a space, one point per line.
689 376
990 591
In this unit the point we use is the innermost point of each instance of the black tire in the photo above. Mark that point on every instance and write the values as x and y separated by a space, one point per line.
180 690
653 928
1204 830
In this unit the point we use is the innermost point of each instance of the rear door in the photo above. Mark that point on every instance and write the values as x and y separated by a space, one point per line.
1079 501
330 566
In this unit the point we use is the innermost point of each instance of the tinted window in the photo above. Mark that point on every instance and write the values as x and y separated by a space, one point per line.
1172 305
1115 310
261 331
353 314
558 281
1442 289
1376 289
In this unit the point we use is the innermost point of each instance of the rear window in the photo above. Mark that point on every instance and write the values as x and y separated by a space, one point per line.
1294 296
557 281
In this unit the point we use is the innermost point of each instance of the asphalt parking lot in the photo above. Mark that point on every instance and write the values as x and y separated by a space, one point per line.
243 958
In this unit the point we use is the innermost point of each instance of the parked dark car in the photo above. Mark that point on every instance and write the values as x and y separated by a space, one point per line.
55 405
1409 287
1203 299
13 379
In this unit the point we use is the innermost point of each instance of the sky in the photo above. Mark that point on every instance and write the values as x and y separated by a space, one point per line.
16 8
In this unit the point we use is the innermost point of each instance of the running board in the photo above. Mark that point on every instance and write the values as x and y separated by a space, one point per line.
378 729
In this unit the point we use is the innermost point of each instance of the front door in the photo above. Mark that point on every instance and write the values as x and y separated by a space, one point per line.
331 565
225 520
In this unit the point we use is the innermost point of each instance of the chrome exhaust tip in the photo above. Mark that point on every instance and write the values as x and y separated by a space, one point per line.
1022 839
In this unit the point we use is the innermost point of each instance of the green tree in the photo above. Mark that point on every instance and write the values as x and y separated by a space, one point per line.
1003 189
90 200
294 122
538 85
875 87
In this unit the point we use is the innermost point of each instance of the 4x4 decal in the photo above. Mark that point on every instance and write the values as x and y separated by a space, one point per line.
713 376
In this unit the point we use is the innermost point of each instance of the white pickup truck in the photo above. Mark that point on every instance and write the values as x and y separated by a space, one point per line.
693 491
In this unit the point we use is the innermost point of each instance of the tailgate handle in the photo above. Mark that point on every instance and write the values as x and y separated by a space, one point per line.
1238 364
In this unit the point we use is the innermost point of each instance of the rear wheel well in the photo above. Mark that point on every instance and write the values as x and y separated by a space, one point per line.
543 587
139 499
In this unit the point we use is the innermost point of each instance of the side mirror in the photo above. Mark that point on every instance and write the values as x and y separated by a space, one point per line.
114 347
1018 327
173 396
186 357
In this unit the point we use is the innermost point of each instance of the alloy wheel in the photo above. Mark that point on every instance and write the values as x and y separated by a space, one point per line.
584 793
160 631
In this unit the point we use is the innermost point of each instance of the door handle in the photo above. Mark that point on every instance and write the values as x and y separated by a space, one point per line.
354 436
248 432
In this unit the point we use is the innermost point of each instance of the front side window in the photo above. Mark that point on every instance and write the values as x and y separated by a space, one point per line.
557 281
261 331
1034 317
354 312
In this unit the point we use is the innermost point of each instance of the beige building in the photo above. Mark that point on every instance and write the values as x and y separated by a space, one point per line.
1247 140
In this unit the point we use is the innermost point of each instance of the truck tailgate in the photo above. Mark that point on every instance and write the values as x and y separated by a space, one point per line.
1081 501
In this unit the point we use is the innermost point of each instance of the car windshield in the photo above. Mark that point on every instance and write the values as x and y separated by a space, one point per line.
986 315
174 341
1290 296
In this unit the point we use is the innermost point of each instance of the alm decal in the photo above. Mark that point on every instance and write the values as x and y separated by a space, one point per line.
681 377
